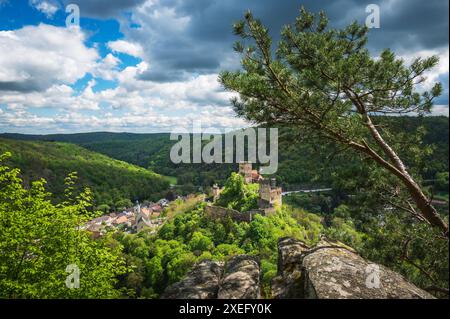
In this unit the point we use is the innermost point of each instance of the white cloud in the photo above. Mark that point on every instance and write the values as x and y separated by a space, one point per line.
149 121
107 68
200 97
42 56
441 110
49 8
433 75
122 46
193 94
57 97
134 105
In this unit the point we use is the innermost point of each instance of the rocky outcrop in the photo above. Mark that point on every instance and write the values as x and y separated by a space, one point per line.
332 270
236 279
241 279
202 282
287 283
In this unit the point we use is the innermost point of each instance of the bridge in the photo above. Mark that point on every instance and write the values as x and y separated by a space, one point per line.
318 190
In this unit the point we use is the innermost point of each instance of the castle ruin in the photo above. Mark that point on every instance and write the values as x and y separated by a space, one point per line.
245 169
250 175
270 196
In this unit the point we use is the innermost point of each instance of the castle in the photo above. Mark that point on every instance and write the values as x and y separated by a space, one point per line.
250 175
269 196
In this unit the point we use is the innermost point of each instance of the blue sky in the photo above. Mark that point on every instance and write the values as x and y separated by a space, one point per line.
152 65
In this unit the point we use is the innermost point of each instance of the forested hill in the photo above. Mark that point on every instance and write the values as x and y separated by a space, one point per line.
114 183
300 163
136 149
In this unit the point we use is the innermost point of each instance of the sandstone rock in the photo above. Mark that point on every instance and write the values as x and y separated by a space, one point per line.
290 251
241 279
332 270
287 283
338 273
200 283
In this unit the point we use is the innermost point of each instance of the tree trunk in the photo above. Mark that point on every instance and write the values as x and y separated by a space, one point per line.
398 168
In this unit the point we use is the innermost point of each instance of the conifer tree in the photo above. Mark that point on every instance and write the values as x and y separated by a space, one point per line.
325 82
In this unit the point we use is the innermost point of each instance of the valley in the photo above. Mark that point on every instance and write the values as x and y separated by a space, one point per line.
199 212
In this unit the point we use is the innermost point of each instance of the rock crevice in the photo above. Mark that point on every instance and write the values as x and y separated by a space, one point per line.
330 270
238 278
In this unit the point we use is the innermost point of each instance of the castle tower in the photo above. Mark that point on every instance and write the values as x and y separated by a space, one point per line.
269 196
245 169
264 190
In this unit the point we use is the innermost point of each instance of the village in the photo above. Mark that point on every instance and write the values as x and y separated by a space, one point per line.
150 216
131 220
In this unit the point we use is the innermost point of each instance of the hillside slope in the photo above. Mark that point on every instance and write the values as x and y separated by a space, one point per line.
302 163
113 182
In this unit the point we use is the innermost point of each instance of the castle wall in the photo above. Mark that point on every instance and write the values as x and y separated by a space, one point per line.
216 212
276 196
270 194
264 192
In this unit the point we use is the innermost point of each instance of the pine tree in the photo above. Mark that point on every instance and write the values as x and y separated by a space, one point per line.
325 82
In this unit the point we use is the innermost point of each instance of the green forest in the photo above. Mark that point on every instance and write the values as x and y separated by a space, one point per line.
121 265
115 184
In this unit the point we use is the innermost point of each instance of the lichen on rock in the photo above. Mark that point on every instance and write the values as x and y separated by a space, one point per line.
332 270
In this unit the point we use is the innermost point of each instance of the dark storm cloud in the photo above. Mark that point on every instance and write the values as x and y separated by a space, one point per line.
103 8
404 23
412 25
424 21
163 76
205 43
23 87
